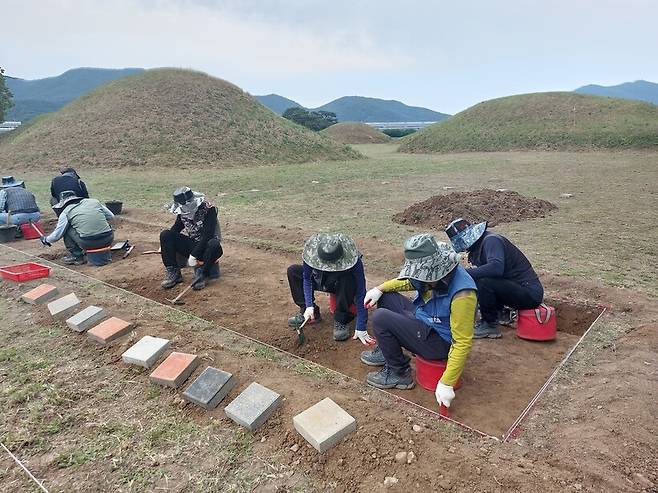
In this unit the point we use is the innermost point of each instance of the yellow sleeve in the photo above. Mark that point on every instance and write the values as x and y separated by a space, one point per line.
462 319
394 285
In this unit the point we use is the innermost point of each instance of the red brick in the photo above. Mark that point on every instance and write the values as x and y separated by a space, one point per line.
40 294
110 329
174 370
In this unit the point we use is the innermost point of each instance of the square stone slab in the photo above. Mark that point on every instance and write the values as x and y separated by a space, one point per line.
175 369
209 388
86 318
40 294
253 406
324 424
146 351
64 306
107 331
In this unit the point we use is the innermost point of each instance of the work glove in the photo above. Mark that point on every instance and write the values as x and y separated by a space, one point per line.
45 242
309 313
364 337
372 297
192 261
444 394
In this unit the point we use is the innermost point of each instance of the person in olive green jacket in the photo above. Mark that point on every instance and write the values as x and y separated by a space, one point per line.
83 223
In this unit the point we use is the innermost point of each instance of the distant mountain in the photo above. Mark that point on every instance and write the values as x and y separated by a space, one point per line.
34 97
362 109
640 90
277 103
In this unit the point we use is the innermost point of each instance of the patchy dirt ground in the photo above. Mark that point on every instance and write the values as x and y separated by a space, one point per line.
475 206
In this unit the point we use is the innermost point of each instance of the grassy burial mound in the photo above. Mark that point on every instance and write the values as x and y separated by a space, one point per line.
165 117
542 121
355 133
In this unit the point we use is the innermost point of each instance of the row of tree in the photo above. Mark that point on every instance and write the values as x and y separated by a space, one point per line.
314 120
5 96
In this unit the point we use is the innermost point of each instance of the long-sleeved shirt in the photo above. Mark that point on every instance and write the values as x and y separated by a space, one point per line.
358 274
208 230
462 320
66 182
63 222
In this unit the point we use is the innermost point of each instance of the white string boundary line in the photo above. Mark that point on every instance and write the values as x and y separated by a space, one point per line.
39 484
240 335
539 393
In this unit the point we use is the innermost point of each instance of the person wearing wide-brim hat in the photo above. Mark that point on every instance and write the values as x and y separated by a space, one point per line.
83 223
503 274
436 325
17 204
332 264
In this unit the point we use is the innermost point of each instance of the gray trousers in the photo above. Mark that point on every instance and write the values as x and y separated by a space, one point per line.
77 245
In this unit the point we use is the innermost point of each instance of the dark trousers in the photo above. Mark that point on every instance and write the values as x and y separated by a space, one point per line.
495 293
77 244
397 327
172 243
341 284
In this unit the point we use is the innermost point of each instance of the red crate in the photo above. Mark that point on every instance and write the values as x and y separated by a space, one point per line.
24 272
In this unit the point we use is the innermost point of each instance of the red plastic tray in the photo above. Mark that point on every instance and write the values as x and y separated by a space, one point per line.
24 272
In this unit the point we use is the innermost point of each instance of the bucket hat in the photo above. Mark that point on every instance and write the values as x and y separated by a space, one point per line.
426 259
463 234
186 201
67 197
9 181
330 252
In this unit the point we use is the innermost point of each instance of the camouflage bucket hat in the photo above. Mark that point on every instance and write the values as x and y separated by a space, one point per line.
463 234
426 259
330 252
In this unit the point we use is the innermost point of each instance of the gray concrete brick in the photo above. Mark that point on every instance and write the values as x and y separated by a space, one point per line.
146 351
64 306
209 388
324 424
86 319
253 406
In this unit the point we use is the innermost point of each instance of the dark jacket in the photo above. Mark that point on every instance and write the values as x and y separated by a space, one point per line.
203 228
68 182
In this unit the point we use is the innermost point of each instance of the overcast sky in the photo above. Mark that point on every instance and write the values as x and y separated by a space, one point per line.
445 55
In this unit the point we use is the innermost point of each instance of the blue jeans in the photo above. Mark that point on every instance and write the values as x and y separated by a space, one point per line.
20 218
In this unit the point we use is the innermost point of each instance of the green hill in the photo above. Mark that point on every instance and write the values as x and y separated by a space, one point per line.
362 109
542 121
640 90
34 97
277 103
165 117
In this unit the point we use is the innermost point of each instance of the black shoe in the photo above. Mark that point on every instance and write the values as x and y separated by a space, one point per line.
341 331
386 378
199 281
487 330
373 357
298 319
172 277
74 260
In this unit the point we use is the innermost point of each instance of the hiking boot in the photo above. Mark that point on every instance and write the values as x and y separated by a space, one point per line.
386 378
172 277
199 281
341 331
373 357
485 330
296 320
507 316
74 260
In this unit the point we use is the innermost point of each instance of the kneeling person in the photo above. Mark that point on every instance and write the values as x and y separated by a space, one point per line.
196 235
436 325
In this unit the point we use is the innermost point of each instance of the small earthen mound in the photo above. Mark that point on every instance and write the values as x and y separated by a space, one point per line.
355 133
476 206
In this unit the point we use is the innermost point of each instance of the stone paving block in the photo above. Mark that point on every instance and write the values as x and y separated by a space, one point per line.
64 306
175 369
86 318
40 294
253 406
110 329
146 351
324 424
209 388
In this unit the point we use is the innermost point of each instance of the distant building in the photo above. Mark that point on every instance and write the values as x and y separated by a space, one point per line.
399 125
9 126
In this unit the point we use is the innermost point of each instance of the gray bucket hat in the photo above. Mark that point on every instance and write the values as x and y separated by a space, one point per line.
330 252
463 234
426 259
67 197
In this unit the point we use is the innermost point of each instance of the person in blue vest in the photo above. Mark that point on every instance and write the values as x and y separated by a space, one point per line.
436 325
503 275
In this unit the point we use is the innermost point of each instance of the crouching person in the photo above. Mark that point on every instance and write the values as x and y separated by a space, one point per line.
83 223
436 325
332 264
195 235
17 204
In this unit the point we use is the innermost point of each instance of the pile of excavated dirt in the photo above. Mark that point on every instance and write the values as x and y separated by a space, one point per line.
355 133
476 206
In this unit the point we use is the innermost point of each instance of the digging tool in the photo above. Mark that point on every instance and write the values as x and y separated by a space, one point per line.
151 252
130 249
301 338
443 411
177 299
35 228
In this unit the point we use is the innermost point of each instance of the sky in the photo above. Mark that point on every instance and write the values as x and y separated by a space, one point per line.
444 55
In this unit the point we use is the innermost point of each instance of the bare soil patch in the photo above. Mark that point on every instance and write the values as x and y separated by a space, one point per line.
475 206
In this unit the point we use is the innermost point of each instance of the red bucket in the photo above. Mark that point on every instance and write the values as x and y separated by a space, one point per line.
429 372
29 231
332 305
538 324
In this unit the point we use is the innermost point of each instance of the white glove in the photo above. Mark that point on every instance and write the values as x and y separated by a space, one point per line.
444 394
191 261
309 313
372 297
364 337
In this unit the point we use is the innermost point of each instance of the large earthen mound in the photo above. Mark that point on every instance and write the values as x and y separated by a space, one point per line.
355 133
476 206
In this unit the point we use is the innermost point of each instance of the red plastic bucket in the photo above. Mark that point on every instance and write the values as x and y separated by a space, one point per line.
429 372
538 324
29 233
332 305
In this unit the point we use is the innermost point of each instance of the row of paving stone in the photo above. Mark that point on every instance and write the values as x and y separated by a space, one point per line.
322 425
